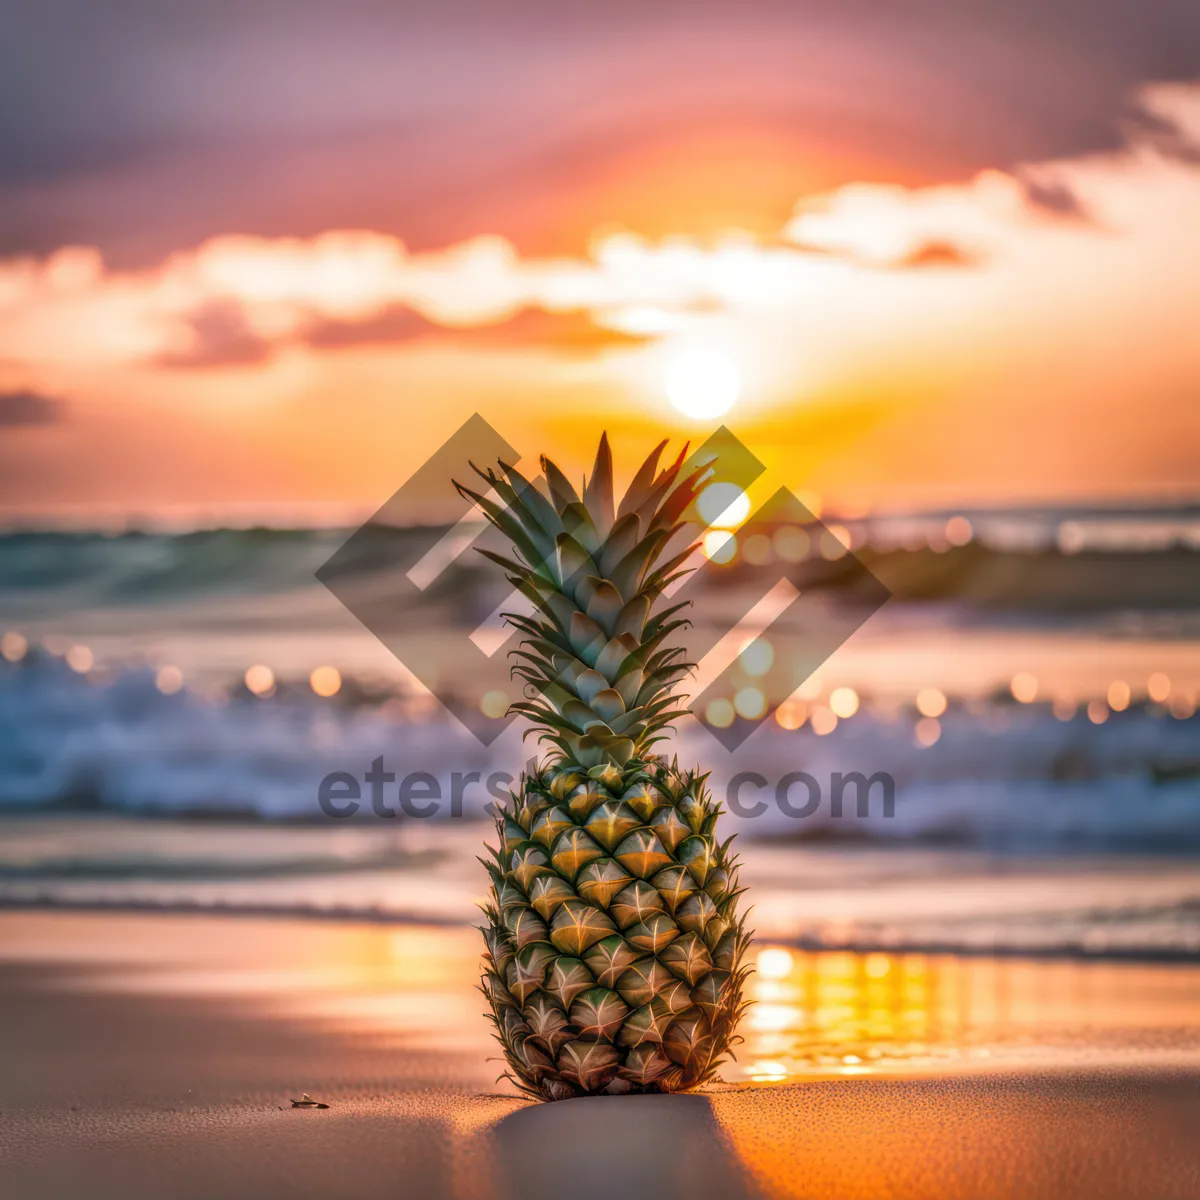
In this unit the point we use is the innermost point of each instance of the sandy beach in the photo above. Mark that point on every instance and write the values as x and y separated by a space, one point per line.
151 1055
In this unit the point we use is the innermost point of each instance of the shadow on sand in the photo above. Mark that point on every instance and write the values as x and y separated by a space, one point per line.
605 1147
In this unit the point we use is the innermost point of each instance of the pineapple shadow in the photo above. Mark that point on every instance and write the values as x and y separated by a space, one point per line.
601 1147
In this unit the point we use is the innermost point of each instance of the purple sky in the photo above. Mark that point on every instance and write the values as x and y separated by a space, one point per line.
143 127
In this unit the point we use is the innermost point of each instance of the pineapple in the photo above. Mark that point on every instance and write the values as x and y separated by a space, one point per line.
614 946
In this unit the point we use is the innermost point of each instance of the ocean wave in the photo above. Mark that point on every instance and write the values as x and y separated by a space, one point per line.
1004 777
77 571
903 900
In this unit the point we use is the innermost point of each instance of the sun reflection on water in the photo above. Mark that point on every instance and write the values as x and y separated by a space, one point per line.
845 1014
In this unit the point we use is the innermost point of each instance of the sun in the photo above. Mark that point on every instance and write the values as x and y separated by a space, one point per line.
702 381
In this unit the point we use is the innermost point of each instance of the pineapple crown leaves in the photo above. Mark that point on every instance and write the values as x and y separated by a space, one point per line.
599 679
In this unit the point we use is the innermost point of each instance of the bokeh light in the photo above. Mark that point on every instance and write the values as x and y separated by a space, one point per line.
168 680
325 681
757 549
927 731
757 656
719 713
823 720
791 714
791 543
13 646
774 962
768 1071
720 546
260 680
80 659
723 504
959 531
1024 687
877 965
931 702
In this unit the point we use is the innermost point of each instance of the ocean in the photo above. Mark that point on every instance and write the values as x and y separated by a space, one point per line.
1021 715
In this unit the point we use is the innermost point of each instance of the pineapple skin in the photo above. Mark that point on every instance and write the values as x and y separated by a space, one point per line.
614 950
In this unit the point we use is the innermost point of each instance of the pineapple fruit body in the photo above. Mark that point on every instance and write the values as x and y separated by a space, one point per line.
614 946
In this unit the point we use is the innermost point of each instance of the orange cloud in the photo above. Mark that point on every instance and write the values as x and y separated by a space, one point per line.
985 315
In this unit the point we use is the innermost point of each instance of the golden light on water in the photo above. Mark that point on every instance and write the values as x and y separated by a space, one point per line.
1024 687
878 965
774 963
773 1018
848 1014
1097 712
1118 695
1158 687
768 1072
702 382
837 1013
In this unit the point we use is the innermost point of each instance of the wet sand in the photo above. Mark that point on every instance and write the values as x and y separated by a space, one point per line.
146 1056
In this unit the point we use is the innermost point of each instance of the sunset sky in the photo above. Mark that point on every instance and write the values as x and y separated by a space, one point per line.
261 259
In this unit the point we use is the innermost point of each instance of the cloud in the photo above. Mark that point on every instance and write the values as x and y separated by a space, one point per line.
1167 126
231 299
1053 196
1024 332
936 254
437 121
235 302
29 408
565 333
219 335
